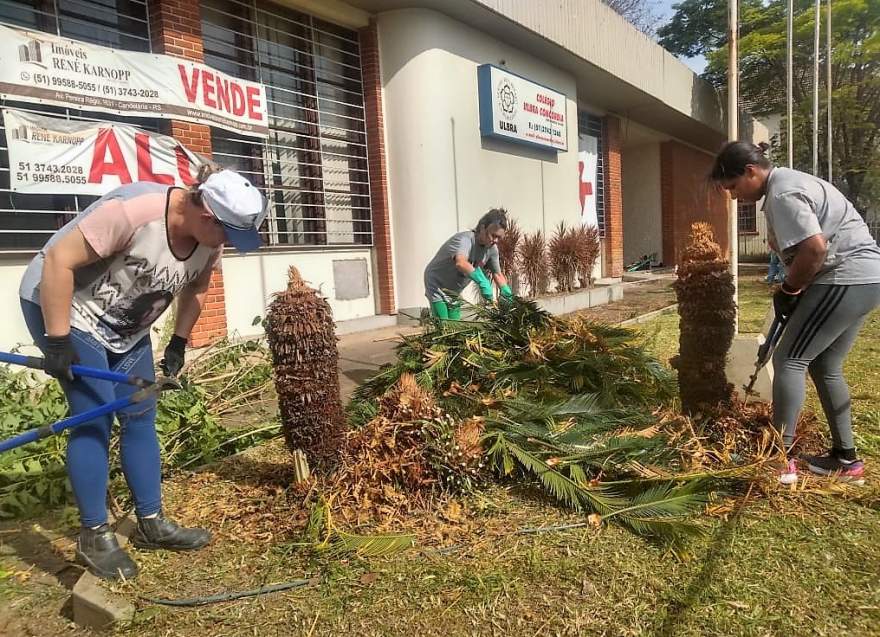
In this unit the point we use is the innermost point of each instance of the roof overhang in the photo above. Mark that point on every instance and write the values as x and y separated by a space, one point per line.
617 68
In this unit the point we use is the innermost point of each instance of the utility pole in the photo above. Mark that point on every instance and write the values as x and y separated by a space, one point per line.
789 70
818 16
828 87
732 135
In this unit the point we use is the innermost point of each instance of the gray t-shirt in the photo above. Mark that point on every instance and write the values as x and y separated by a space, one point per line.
799 206
441 275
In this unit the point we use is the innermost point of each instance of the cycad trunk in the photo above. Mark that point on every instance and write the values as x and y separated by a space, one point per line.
300 331
707 313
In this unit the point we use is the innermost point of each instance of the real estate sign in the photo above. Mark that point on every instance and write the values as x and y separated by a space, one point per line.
37 67
518 110
48 155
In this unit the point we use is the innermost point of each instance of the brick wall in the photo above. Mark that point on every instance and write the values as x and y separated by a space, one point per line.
212 322
667 202
613 198
176 29
375 123
687 196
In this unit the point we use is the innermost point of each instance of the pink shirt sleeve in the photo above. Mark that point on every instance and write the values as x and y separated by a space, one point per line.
108 228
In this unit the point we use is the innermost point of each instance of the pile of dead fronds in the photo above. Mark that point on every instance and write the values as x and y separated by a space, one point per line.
404 456
739 432
521 348
563 404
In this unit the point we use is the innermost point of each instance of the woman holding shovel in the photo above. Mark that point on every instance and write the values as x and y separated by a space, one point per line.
463 258
832 283
90 296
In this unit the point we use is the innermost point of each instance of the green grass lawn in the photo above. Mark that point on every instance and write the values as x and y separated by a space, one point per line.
790 566
794 565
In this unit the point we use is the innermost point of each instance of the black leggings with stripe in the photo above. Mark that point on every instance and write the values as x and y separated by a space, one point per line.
818 337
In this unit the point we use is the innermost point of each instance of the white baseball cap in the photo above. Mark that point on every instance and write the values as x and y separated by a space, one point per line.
238 205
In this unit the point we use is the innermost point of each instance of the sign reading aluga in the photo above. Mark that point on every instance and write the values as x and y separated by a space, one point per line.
43 68
518 110
48 155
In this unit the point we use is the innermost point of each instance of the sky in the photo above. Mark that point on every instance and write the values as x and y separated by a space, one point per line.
663 9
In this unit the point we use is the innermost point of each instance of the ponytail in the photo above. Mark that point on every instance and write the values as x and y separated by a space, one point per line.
733 158
496 216
205 170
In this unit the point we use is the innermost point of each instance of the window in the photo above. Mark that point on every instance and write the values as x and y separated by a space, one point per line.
747 218
592 125
313 166
26 220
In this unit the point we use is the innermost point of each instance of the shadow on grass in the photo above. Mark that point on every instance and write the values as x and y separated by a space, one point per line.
243 469
716 553
36 550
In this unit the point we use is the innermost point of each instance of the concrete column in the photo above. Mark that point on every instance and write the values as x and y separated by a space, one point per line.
375 123
613 198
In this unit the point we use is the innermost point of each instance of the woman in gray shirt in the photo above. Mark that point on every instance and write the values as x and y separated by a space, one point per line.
463 258
832 283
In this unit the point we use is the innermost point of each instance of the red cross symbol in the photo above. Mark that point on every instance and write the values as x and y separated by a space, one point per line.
586 187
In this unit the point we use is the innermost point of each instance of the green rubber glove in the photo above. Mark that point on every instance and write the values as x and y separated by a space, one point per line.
506 292
479 277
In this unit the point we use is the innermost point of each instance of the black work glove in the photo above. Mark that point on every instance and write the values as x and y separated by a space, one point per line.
172 362
784 301
59 356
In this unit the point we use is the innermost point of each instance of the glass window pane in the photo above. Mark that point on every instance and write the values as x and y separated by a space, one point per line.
314 163
26 220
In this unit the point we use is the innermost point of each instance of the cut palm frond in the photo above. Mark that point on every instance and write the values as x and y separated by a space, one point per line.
371 545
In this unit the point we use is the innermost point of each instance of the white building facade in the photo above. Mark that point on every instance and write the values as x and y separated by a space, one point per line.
376 154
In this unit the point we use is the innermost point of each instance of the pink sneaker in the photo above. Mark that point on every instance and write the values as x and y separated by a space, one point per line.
788 473
829 464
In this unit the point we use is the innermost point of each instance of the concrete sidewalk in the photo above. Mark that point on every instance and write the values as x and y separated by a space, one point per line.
361 354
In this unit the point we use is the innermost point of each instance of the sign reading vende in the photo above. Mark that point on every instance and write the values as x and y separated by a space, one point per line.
518 110
38 67
48 155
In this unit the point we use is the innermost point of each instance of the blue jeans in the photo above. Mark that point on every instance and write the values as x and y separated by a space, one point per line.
775 272
88 448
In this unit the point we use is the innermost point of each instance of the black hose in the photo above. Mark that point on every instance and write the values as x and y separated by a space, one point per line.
225 597
547 529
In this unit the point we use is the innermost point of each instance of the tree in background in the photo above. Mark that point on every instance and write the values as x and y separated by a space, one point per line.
699 27
640 13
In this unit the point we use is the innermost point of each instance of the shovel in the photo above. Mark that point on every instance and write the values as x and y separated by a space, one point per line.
765 352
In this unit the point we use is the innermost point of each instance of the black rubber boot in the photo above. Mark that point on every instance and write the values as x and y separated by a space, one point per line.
161 533
98 550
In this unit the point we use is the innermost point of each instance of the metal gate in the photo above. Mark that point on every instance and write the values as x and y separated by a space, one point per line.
314 164
28 220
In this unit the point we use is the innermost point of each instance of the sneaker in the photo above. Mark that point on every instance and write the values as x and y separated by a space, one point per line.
830 464
161 533
788 473
98 550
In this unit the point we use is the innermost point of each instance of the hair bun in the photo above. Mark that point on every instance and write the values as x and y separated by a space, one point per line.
206 170
764 147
